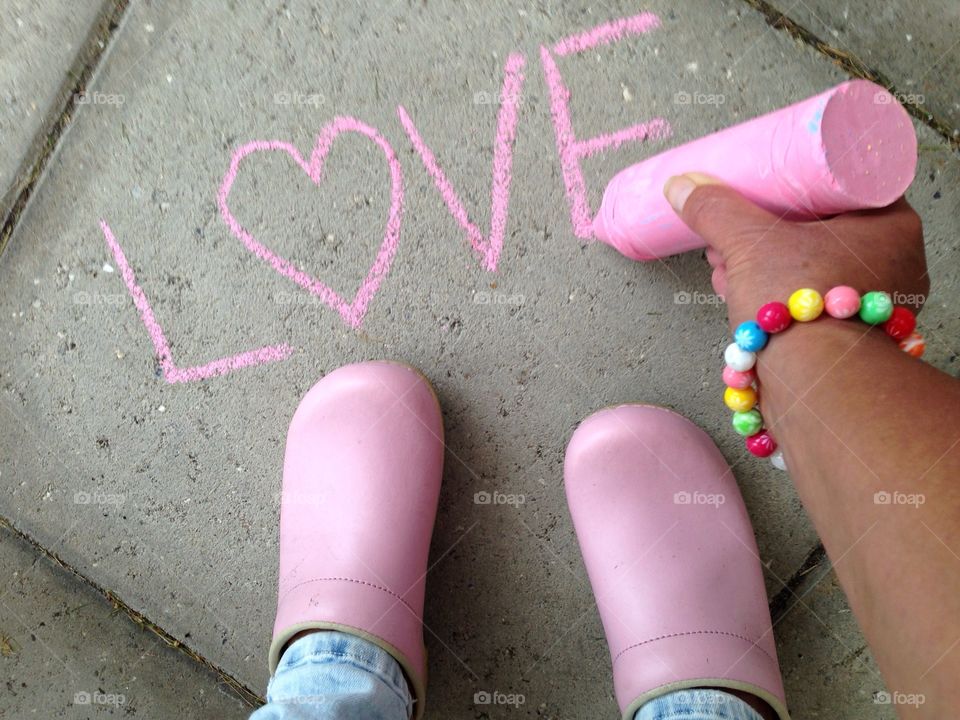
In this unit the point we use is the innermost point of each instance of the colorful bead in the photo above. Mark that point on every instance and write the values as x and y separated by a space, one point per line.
774 317
740 400
777 459
737 379
842 302
750 336
761 444
902 322
914 345
805 305
739 359
748 422
875 307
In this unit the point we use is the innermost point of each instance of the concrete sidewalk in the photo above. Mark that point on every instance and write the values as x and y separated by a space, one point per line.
45 48
65 652
130 453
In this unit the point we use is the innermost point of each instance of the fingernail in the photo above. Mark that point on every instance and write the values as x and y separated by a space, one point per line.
677 189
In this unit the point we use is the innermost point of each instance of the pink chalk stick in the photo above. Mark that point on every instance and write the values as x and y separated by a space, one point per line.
850 148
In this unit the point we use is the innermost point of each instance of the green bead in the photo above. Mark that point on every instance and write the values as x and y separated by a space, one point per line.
876 307
747 423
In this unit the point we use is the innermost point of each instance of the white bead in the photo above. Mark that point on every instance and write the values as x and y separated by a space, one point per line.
738 358
777 460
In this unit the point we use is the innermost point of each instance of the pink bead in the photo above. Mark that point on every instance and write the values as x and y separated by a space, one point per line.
737 379
841 302
774 317
762 444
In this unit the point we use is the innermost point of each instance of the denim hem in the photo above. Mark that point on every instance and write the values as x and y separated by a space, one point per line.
332 646
697 704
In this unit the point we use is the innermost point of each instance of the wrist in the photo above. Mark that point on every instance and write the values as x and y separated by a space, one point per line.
796 363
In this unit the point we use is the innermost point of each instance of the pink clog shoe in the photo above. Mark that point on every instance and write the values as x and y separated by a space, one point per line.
671 557
361 478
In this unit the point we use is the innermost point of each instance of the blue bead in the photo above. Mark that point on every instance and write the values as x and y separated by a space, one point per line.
750 336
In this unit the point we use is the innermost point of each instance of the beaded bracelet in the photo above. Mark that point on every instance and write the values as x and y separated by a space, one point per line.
804 305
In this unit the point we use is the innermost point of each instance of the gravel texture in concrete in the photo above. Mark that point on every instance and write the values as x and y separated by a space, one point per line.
829 671
65 652
39 43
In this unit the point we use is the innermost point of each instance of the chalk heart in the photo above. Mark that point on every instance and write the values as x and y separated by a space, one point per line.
353 310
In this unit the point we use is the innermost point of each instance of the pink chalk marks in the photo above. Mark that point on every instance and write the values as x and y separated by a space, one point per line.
352 310
607 33
172 373
488 249
572 150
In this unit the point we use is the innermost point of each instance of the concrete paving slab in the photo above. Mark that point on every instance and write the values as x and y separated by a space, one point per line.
64 652
916 45
167 492
829 671
39 43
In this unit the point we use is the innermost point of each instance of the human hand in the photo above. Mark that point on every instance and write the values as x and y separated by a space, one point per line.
758 257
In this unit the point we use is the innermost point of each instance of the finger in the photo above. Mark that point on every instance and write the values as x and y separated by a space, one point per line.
714 257
719 214
719 280
898 207
898 218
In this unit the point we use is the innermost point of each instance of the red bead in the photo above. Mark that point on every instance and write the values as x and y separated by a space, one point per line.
762 444
901 323
774 317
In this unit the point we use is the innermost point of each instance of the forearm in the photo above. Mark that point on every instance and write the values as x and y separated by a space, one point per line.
858 417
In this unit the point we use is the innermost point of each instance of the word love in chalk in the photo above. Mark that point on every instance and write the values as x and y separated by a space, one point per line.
352 310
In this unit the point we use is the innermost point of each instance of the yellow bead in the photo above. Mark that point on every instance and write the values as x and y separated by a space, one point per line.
740 400
805 305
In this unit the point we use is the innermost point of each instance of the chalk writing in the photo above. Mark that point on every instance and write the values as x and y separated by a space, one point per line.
352 311
488 248
572 150
171 372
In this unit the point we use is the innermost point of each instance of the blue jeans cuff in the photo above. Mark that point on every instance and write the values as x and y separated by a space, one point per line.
331 675
697 704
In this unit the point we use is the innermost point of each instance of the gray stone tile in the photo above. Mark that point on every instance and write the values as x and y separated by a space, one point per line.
39 42
64 652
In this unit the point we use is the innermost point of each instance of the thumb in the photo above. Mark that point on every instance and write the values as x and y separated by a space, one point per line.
716 212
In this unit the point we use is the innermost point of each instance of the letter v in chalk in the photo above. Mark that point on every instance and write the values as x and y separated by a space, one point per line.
488 249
